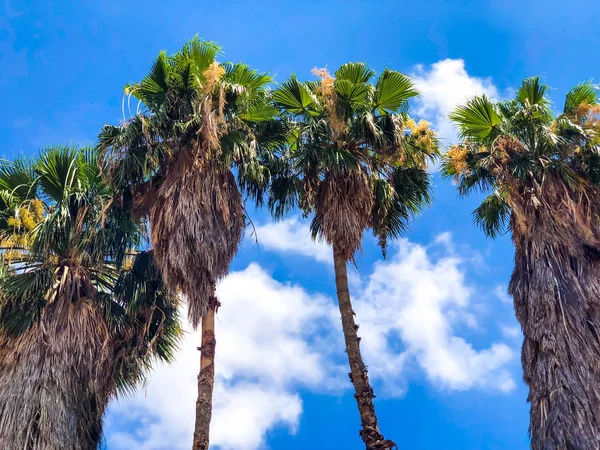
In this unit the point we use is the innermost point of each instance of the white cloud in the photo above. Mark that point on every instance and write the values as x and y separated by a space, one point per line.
443 86
275 338
244 412
267 335
409 308
419 301
292 235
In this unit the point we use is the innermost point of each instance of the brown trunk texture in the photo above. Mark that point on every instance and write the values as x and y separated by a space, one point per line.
556 294
206 380
363 392
54 383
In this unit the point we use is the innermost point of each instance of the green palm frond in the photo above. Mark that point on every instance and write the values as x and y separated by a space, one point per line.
477 120
398 199
352 83
295 97
147 320
58 170
532 93
583 94
18 181
393 91
413 187
200 54
284 195
259 110
152 90
23 297
241 79
354 72
492 215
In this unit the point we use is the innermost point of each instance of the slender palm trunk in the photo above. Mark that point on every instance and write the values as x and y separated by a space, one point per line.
206 380
364 395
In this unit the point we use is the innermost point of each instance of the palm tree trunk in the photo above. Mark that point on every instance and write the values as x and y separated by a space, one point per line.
556 290
363 392
54 385
557 301
206 379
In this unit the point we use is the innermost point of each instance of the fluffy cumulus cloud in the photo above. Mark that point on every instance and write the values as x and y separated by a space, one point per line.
424 301
268 337
443 86
274 339
410 308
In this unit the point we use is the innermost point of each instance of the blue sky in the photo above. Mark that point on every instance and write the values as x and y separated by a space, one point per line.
438 331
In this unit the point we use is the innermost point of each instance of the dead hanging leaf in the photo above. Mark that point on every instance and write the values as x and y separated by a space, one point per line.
343 209
54 408
197 224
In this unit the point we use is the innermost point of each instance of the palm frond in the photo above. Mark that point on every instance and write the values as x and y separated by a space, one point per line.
532 93
152 90
583 94
492 215
477 120
393 91
295 97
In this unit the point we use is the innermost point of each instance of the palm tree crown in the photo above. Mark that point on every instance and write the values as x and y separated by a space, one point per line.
517 148
196 120
74 322
355 158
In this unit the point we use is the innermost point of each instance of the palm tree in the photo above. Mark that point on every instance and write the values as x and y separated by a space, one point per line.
542 171
76 327
195 121
355 161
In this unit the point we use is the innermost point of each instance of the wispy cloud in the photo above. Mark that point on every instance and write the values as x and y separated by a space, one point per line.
292 235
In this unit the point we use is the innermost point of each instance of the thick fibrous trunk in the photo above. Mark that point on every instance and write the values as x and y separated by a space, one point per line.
556 294
206 380
370 434
53 384
196 225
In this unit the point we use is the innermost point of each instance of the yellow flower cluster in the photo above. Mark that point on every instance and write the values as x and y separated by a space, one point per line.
26 219
14 222
11 255
128 264
457 156
327 91
20 226
213 75
423 133
37 210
